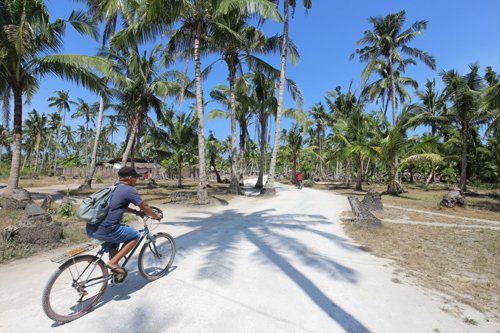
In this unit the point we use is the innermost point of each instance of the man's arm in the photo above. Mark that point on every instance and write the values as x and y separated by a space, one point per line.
148 211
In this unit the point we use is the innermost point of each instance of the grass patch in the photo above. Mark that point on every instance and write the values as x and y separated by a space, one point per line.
426 199
159 194
462 262
42 181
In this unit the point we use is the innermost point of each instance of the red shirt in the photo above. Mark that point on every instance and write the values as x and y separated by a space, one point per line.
298 176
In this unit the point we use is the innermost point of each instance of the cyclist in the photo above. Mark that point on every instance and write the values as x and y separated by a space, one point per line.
110 229
298 177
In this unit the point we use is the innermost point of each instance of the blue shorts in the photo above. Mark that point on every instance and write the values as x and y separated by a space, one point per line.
122 234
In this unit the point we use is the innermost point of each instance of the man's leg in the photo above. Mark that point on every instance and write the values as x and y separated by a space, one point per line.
126 248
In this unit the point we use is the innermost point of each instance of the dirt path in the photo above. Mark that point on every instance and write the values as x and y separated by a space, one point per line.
282 264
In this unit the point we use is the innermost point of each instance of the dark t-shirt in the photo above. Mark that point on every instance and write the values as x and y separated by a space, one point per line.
122 197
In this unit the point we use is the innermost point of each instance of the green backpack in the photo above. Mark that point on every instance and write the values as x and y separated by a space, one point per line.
95 208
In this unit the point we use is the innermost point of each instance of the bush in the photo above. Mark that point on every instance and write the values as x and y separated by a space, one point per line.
98 178
66 210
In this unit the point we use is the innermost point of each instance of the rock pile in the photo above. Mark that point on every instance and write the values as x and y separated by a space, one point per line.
37 229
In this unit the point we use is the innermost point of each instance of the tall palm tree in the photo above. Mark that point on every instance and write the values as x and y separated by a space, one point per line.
342 106
180 138
140 93
28 41
35 126
382 87
355 135
84 110
269 187
213 149
318 115
293 149
431 107
244 112
386 40
465 94
62 102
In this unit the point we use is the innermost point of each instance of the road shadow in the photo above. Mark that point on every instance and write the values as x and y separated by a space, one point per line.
219 236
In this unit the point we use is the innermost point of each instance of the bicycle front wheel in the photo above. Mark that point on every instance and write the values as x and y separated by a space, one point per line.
74 288
156 258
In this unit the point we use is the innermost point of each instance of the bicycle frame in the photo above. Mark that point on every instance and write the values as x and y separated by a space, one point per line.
144 234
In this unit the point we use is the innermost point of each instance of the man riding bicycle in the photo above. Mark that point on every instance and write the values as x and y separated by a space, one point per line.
298 177
111 230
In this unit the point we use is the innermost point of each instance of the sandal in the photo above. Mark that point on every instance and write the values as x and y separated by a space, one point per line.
119 275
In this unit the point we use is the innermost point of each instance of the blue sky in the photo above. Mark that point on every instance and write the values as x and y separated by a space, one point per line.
459 32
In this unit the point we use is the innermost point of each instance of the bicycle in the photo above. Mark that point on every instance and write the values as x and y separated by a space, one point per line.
299 184
77 285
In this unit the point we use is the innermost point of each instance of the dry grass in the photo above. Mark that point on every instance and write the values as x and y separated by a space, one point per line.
427 200
461 262
159 193
41 182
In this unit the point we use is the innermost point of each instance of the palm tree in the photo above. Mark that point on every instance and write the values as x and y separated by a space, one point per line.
84 110
140 93
382 87
244 112
386 40
431 107
179 139
35 126
342 106
62 102
213 149
318 115
269 187
465 93
394 141
68 137
355 135
27 39
294 147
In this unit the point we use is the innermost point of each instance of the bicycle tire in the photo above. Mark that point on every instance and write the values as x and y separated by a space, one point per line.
153 266
61 301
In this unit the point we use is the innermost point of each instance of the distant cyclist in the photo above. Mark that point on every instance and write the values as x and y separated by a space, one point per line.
298 177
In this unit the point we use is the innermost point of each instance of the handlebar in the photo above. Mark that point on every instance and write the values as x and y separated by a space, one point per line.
156 210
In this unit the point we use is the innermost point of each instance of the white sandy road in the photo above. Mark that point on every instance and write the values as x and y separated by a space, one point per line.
281 264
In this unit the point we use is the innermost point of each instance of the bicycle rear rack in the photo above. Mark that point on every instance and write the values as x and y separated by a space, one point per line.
62 258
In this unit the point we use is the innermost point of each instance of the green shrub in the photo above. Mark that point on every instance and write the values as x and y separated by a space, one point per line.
66 210
98 178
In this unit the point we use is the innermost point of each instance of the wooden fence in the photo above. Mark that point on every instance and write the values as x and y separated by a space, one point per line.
82 172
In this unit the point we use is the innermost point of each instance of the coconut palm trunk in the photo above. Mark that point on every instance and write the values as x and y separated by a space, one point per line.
17 143
234 187
179 171
269 189
394 119
463 172
260 179
242 155
359 165
88 181
201 194
130 142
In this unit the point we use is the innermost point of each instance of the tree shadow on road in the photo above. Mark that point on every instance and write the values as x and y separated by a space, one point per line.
219 236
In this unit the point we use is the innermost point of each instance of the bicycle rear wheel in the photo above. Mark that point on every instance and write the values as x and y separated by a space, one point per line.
156 258
74 288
